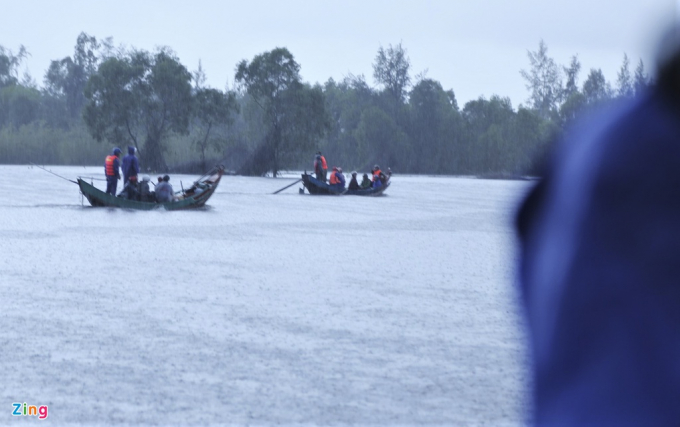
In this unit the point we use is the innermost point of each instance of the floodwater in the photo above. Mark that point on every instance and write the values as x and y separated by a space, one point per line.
263 309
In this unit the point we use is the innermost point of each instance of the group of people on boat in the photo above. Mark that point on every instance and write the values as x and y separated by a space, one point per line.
337 179
133 189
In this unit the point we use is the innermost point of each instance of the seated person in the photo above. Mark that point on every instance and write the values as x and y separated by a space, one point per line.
337 180
164 192
130 191
378 175
377 183
144 190
365 182
353 184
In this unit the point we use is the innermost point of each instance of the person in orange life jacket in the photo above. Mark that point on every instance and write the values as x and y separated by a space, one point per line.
112 171
130 165
353 184
378 175
324 166
337 180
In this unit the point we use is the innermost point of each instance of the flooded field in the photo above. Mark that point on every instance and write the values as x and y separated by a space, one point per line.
263 309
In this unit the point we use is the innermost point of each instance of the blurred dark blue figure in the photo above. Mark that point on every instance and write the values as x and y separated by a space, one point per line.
600 267
130 165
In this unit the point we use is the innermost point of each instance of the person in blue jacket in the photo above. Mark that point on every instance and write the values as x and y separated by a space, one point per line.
600 267
130 165
112 171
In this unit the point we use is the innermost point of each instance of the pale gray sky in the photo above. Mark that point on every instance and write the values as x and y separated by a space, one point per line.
475 47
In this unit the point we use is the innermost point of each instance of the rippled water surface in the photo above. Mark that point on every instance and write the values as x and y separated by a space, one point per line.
262 308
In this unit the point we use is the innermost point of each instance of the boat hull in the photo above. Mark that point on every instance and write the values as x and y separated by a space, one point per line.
192 198
316 187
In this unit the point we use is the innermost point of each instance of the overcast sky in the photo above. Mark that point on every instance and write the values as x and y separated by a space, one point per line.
475 47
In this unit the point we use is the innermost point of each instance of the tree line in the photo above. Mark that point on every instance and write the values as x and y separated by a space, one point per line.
271 121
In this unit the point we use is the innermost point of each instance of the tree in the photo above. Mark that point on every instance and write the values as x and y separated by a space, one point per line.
294 113
624 80
543 81
381 141
211 108
139 95
345 102
641 79
572 72
19 105
490 127
391 69
9 65
68 77
595 88
434 126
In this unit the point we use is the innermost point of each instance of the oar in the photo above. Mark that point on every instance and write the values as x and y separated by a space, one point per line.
70 180
290 185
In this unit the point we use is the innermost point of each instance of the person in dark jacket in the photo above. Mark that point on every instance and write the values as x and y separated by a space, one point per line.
365 181
318 168
353 184
145 194
600 267
112 171
131 191
130 165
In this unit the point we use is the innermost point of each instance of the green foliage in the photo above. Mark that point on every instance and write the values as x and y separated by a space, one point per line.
68 77
391 69
381 141
294 114
641 79
212 108
624 79
434 127
543 81
9 66
140 95
40 143
19 105
571 72
275 121
596 89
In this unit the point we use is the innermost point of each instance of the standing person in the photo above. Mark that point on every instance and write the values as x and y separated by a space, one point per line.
112 171
318 167
130 165
164 192
324 166
600 266
353 184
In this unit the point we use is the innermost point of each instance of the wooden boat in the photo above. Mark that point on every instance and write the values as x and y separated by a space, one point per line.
316 187
194 197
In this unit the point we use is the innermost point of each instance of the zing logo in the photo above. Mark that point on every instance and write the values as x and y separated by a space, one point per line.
22 409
